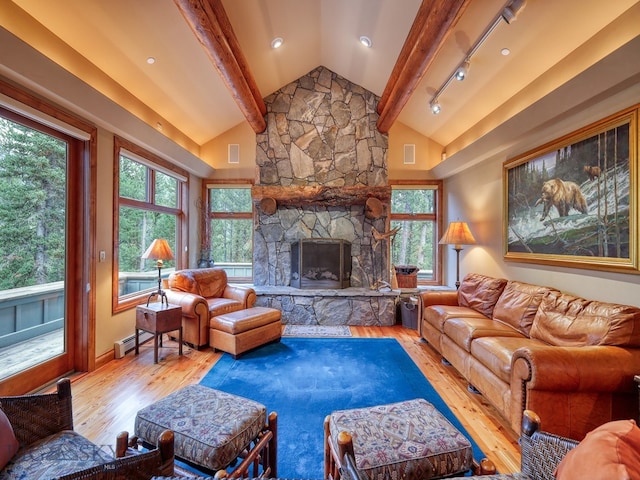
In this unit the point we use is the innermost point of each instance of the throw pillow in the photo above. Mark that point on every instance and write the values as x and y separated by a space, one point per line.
610 451
8 442
568 321
480 292
518 304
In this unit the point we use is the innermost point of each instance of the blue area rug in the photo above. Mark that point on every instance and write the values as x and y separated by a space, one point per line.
305 379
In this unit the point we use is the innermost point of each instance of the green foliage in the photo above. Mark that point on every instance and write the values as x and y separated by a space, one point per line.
133 179
138 227
166 189
412 201
231 238
32 206
230 199
231 241
414 243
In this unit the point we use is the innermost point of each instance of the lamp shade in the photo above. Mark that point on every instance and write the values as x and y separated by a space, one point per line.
457 233
158 250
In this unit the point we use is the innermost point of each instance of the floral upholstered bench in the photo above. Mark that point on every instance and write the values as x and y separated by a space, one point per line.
213 428
410 440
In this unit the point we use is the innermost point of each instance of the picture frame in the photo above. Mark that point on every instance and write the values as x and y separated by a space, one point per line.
573 202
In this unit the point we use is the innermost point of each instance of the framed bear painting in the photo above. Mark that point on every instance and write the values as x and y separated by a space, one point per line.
574 202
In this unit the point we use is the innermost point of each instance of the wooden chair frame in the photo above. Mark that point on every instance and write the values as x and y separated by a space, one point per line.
34 417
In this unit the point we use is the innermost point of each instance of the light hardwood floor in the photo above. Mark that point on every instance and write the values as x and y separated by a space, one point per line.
105 401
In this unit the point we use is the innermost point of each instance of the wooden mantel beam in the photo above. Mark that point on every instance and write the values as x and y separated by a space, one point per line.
433 23
297 196
211 26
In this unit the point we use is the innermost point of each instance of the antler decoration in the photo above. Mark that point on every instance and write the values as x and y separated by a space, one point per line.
381 237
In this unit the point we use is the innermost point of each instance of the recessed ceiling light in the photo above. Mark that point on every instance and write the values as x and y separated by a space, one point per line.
505 51
277 42
151 60
366 41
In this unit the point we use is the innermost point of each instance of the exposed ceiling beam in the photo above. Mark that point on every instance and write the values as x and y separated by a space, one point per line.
212 28
433 23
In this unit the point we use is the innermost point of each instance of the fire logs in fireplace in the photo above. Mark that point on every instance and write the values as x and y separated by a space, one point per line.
320 263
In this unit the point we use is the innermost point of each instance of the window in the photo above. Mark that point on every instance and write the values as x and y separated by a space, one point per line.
415 209
149 204
228 236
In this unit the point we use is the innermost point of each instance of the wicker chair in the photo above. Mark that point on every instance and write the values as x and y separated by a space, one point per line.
541 454
43 421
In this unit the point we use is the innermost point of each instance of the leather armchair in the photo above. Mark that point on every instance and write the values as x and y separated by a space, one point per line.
203 294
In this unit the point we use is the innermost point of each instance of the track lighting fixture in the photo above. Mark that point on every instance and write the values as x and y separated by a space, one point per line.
435 106
508 14
461 72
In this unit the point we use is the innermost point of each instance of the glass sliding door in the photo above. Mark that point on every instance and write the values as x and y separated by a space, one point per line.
36 165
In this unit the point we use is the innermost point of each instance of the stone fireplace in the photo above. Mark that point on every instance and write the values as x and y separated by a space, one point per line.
319 162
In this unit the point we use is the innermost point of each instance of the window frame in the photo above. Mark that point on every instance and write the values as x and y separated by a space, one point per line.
207 215
155 164
436 217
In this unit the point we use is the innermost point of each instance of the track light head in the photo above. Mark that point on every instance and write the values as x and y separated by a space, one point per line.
511 11
435 106
461 72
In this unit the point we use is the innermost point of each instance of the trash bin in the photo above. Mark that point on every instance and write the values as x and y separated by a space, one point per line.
409 312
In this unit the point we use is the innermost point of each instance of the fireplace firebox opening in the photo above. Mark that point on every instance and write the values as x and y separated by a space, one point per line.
321 263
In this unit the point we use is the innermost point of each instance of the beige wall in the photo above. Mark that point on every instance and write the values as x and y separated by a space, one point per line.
427 154
475 196
215 153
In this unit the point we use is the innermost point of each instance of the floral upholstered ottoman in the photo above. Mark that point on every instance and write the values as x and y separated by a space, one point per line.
408 440
212 428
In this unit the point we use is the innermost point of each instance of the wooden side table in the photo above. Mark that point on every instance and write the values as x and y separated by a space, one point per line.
158 318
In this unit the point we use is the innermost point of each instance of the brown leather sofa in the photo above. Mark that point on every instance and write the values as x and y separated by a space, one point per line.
203 294
532 347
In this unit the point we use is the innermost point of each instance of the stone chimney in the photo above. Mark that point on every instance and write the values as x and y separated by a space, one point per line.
319 160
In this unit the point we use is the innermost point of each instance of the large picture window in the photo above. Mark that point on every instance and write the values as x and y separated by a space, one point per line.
228 236
415 209
150 203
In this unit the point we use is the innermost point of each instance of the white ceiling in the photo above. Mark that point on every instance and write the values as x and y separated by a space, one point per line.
185 90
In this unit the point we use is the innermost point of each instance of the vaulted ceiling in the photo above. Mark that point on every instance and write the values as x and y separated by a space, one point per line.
116 38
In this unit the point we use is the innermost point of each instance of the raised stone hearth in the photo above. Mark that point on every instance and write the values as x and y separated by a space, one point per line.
347 306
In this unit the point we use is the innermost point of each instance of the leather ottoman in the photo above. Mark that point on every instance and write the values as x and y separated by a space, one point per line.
409 440
212 428
240 331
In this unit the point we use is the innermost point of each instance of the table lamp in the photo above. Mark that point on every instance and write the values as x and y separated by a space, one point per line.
457 234
159 251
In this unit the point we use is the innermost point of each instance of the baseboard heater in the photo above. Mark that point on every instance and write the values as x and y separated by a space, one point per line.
124 346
